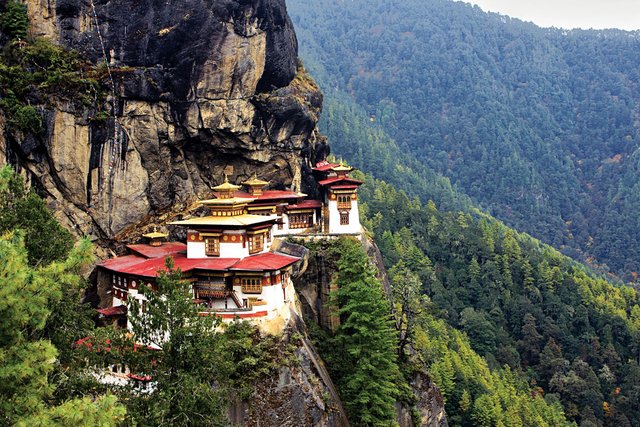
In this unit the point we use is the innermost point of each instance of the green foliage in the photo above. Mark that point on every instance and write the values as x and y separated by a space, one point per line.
185 364
26 297
537 126
104 411
572 336
20 208
14 21
37 70
361 354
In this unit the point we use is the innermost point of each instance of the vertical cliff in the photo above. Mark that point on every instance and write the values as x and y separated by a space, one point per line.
189 89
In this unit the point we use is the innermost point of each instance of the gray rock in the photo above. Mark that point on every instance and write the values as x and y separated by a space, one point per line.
201 86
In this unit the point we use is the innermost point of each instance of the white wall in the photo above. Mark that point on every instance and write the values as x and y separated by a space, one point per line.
334 219
272 294
233 250
195 250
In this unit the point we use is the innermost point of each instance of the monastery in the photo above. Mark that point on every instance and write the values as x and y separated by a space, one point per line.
227 256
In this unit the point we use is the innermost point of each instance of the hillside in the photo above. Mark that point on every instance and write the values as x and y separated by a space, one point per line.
530 311
537 126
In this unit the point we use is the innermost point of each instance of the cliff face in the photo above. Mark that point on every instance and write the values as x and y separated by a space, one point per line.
299 394
194 89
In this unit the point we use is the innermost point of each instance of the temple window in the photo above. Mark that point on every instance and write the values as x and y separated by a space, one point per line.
252 286
256 243
212 246
300 220
344 201
344 218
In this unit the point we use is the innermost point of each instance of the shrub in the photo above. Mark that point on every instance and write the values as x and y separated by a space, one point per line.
14 21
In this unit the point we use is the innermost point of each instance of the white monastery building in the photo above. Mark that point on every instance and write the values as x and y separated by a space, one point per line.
227 256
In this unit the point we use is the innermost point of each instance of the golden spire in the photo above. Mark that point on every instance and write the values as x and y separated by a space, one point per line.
254 181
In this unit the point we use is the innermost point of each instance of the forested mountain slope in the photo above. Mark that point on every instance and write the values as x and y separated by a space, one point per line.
565 333
538 126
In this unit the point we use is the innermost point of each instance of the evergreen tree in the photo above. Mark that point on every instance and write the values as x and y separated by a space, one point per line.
20 208
410 303
26 298
365 366
14 21
188 361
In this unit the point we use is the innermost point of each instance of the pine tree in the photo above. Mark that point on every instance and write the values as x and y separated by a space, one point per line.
188 362
14 21
367 372
405 287
20 208
26 295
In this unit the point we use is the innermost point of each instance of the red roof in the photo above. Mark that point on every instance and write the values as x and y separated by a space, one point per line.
143 267
324 166
139 266
344 187
121 263
266 261
270 195
113 311
145 378
87 342
166 249
306 204
336 179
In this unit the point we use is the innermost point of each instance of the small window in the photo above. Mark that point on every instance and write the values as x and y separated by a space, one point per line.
252 286
212 246
344 218
344 201
256 243
301 220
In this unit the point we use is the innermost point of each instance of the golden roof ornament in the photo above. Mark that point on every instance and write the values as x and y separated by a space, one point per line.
155 237
255 182
226 186
341 168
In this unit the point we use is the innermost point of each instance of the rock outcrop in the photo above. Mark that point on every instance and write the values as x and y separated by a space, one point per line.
199 88
300 394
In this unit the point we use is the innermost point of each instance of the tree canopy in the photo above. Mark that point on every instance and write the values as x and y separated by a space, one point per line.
561 331
27 296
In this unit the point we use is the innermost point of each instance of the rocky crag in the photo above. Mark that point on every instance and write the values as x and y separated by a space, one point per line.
299 394
194 89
